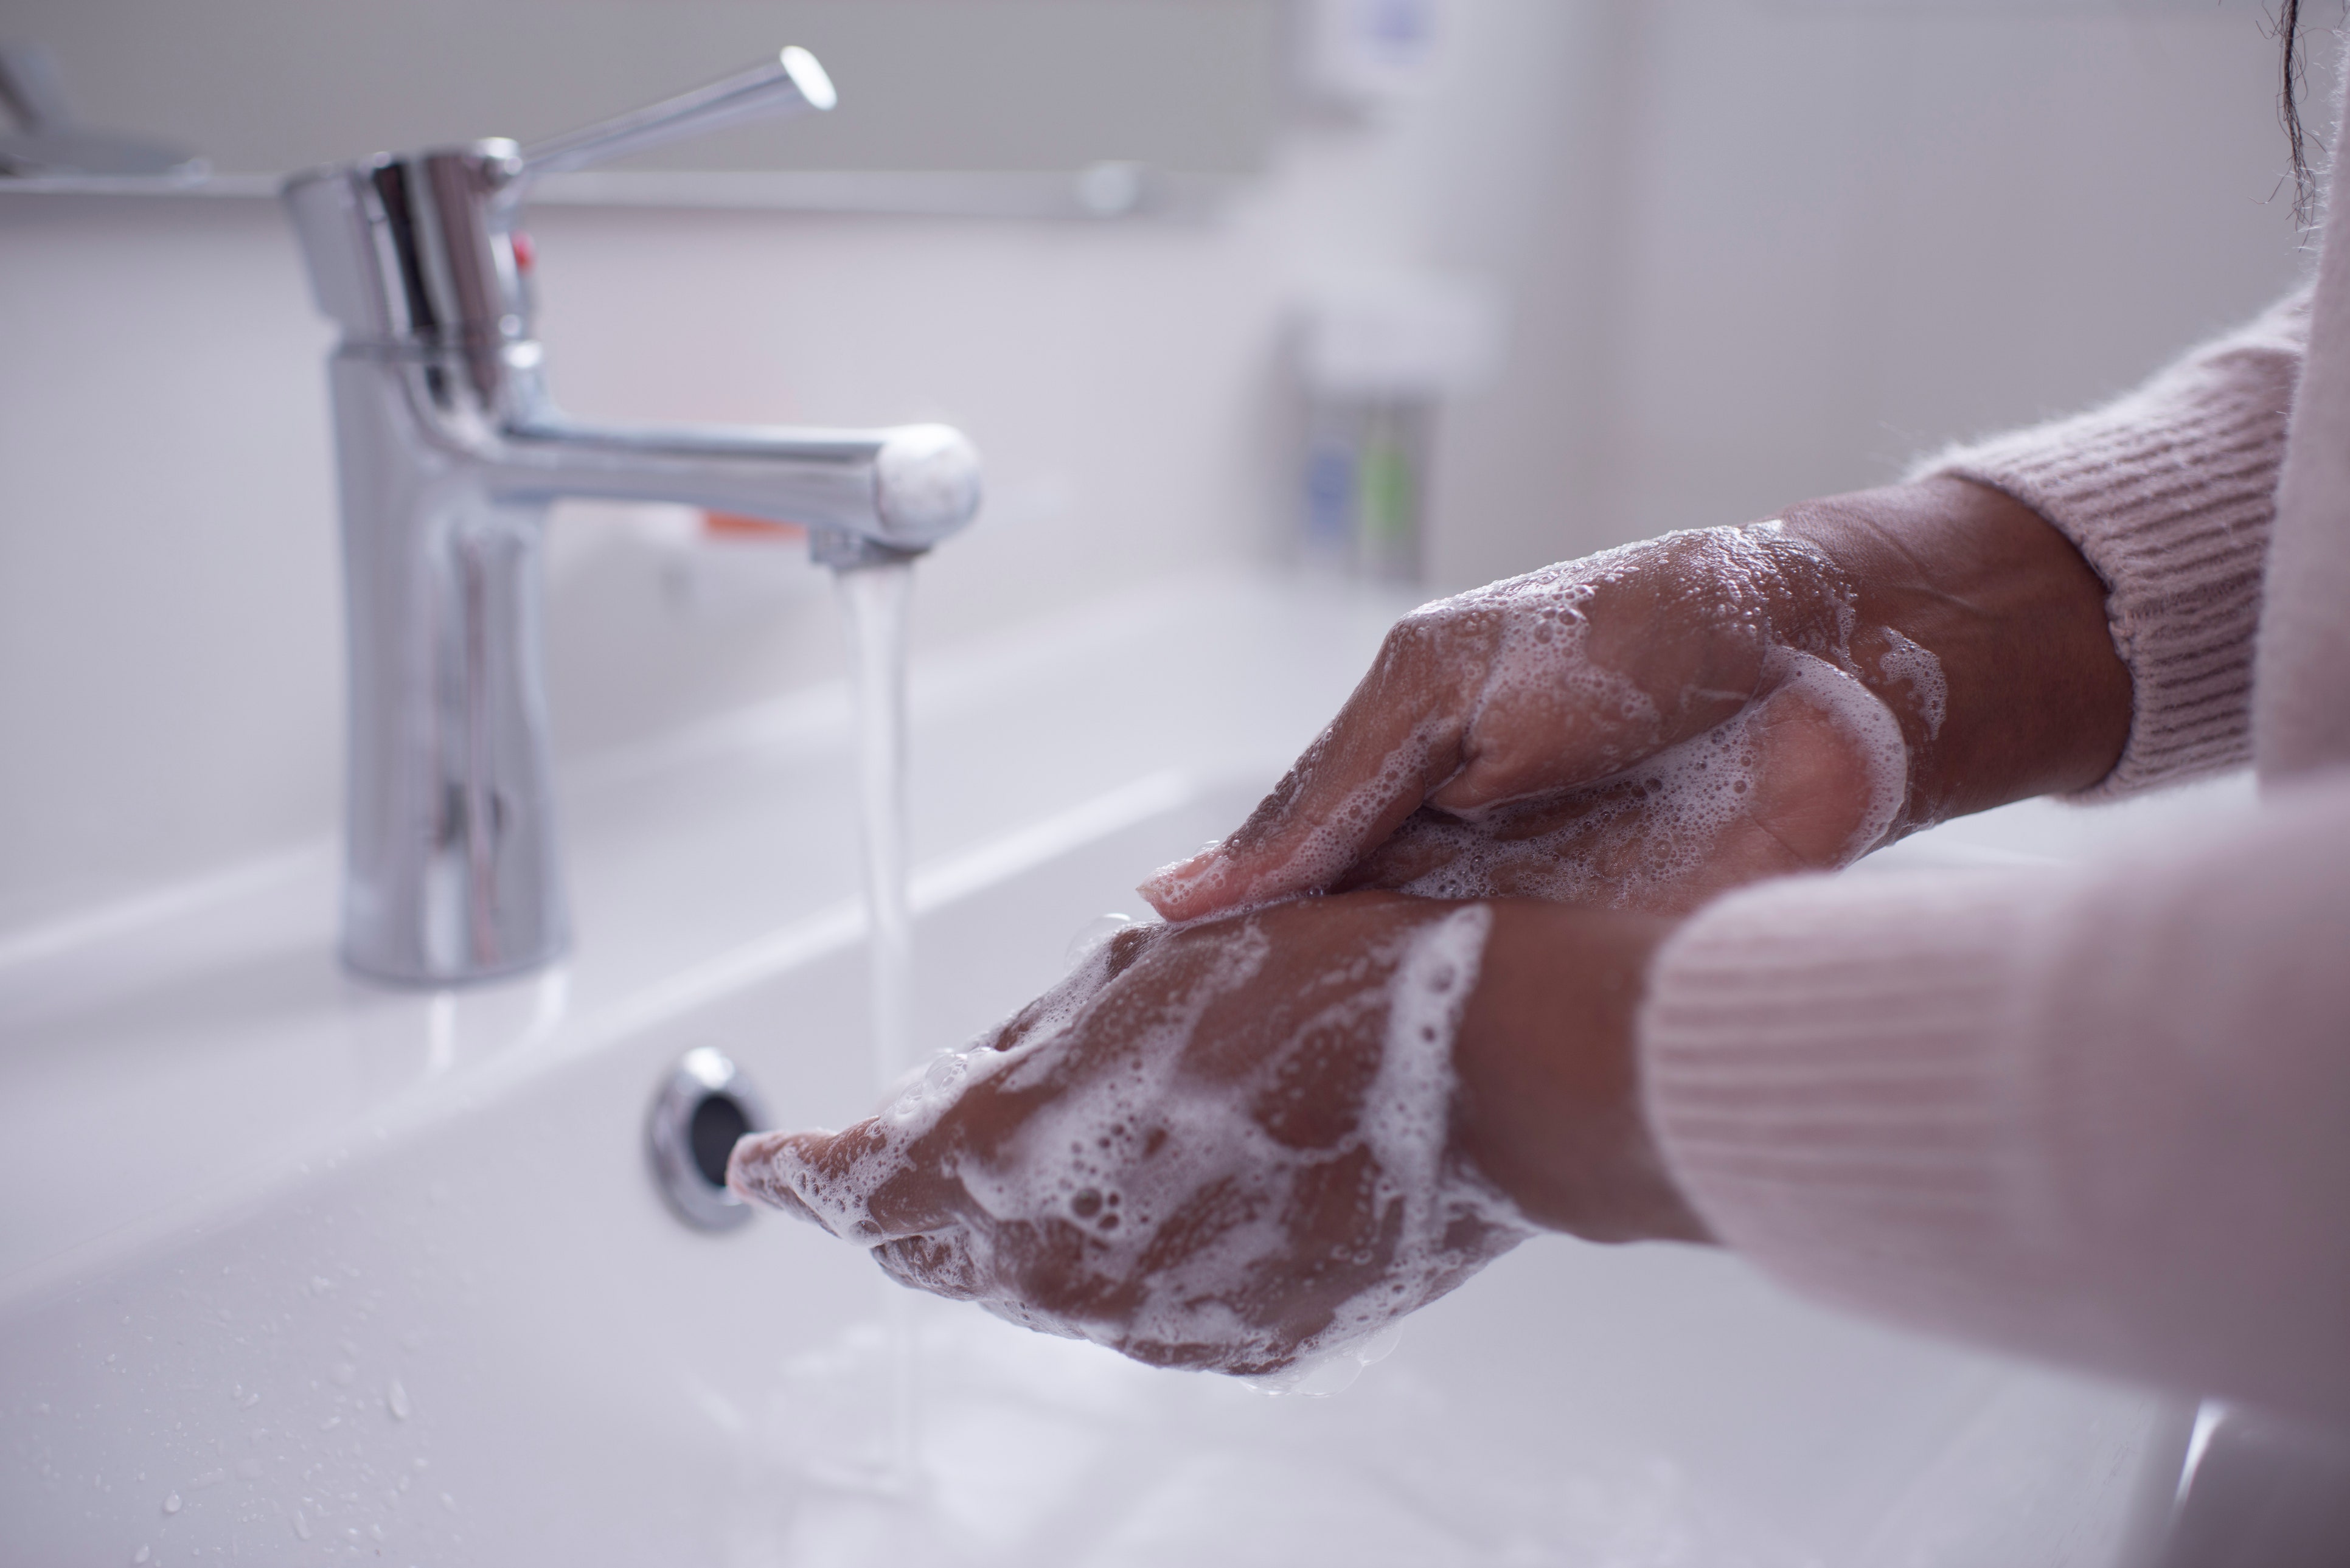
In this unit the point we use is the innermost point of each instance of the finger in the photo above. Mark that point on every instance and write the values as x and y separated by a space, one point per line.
763 1167
1054 1010
1826 782
1586 721
941 1263
1459 863
1398 737
1422 847
858 1184
1558 849
1830 772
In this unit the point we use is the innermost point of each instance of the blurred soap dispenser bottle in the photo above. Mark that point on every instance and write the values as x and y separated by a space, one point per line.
1376 357
1365 56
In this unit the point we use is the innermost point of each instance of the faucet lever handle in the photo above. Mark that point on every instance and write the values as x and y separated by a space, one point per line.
793 83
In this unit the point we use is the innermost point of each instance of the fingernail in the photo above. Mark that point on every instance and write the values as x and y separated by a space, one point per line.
1178 887
751 1174
749 1152
1174 880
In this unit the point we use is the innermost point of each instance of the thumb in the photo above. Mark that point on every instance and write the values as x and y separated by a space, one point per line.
1834 771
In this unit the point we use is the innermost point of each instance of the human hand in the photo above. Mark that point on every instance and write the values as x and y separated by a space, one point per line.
1648 726
1244 1144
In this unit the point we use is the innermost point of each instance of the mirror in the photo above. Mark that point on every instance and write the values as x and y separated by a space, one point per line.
265 87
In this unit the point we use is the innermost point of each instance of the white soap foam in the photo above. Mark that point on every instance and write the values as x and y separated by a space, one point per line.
1449 1221
1867 726
1905 663
1162 1202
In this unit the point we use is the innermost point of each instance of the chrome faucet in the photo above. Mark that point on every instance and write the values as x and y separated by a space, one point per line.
449 453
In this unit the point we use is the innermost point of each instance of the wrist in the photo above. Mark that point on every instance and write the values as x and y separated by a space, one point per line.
2035 699
1548 1106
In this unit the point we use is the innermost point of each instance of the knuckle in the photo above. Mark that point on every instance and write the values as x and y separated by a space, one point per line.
1422 637
1130 945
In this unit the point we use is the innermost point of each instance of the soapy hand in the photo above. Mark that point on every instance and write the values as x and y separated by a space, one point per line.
1229 1145
1244 1142
1639 728
1651 725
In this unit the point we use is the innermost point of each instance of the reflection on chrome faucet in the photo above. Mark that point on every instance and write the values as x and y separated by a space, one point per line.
449 452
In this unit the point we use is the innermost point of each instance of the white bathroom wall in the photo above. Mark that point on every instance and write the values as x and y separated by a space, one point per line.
169 656
1752 251
1781 248
168 672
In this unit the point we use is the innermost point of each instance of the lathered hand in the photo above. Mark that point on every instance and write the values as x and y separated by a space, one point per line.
1231 1145
1648 726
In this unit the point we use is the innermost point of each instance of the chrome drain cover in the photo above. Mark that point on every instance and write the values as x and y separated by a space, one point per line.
706 1104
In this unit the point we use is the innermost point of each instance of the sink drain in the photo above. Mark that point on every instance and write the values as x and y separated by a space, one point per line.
704 1106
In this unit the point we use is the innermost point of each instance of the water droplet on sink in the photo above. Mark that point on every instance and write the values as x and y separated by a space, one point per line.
141 1555
344 1373
172 1503
448 1502
301 1525
396 1398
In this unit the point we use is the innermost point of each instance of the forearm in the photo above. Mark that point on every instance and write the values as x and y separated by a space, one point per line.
1547 1103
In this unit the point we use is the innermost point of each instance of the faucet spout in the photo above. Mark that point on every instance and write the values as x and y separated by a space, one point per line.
449 452
903 489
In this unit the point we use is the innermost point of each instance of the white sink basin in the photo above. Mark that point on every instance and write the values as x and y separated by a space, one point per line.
295 1269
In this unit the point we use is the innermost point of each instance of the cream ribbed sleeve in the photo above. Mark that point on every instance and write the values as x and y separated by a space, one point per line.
2092 1114
2096 1114
2169 492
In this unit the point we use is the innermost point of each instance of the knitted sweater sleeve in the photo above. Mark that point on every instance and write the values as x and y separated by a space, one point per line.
2168 492
2093 1113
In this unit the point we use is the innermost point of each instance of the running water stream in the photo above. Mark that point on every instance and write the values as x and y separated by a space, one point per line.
874 600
